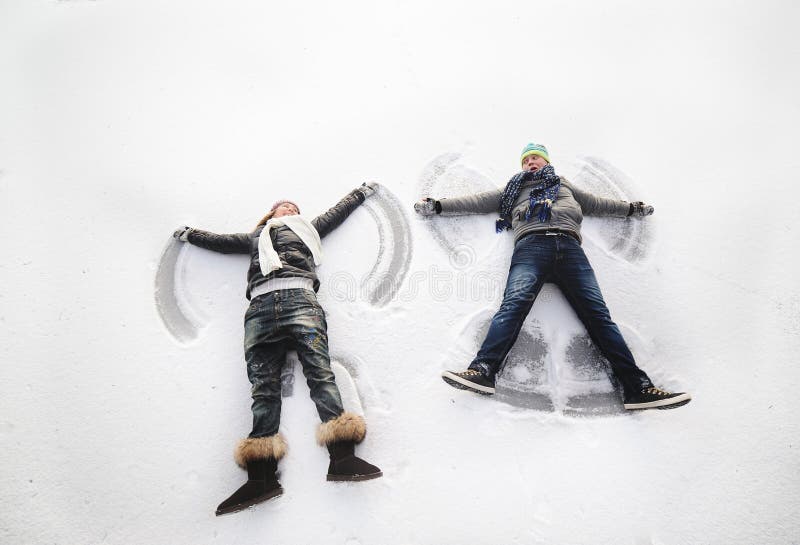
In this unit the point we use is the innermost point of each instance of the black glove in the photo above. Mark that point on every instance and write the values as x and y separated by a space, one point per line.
428 207
640 209
182 233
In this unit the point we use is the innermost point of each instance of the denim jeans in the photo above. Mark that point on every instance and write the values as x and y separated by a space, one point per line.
276 322
559 259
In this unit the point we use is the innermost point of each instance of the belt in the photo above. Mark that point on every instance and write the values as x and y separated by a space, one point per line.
276 284
555 232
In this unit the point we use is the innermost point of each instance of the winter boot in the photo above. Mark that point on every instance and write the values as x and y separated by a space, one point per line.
346 466
340 436
260 456
261 485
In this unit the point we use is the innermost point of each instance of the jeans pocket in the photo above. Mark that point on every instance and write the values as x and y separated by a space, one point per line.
307 301
256 306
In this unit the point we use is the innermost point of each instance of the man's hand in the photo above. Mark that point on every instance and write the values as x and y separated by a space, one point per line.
640 209
428 207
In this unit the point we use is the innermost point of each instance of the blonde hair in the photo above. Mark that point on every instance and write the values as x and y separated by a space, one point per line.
265 219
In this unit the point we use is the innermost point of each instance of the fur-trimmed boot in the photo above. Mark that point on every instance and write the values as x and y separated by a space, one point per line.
340 435
260 457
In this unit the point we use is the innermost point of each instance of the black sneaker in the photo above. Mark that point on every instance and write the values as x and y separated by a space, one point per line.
656 398
470 379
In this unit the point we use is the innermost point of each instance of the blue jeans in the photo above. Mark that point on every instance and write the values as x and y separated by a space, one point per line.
559 259
275 323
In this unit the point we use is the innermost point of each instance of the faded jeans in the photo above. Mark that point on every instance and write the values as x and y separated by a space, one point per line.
559 259
275 323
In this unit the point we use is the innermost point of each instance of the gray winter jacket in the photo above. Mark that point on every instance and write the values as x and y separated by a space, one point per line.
295 256
567 212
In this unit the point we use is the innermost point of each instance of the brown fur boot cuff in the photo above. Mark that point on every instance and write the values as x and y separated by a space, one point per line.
345 427
259 448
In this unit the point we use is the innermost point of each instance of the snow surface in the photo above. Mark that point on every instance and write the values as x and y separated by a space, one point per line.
121 120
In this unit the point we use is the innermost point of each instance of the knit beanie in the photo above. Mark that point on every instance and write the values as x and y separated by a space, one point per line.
534 149
277 204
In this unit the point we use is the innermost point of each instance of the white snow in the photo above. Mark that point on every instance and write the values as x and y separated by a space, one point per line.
121 120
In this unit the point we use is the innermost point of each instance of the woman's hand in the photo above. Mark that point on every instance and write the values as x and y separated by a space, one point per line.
369 188
428 207
182 233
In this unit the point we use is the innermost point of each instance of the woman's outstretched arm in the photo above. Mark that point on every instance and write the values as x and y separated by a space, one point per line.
333 217
238 243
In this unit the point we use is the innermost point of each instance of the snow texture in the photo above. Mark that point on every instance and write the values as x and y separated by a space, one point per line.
168 301
123 389
394 250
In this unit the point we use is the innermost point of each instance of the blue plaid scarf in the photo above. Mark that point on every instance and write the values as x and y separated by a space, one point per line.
544 192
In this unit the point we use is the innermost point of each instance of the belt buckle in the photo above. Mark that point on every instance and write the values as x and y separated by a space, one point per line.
551 233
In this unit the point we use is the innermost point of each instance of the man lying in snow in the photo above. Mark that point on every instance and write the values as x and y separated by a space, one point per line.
284 314
545 212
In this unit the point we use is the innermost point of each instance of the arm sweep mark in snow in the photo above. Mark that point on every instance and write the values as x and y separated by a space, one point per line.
394 254
628 239
180 326
444 177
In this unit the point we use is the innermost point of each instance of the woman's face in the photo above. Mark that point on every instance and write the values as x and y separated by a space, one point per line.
285 209
533 163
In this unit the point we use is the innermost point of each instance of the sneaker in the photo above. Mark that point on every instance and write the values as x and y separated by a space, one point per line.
470 379
656 398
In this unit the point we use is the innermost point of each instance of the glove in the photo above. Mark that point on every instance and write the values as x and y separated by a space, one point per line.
182 233
369 188
640 209
428 207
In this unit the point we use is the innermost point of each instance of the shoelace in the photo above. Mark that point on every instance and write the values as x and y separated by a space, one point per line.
656 391
470 373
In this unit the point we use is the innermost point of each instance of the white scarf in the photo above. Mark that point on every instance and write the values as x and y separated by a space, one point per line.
267 256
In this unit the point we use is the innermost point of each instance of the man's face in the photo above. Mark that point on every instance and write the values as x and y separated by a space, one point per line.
285 209
533 163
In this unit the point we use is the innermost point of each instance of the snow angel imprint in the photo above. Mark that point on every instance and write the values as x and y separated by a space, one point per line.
284 314
545 212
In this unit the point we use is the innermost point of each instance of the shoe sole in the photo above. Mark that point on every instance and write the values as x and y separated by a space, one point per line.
671 403
462 384
250 503
352 478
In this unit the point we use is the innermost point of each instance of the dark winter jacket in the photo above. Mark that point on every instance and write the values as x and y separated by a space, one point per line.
295 256
567 212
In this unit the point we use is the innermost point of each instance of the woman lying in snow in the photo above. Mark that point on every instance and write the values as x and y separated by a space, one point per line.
545 212
284 314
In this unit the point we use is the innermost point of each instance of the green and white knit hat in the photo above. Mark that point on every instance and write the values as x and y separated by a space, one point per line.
534 149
